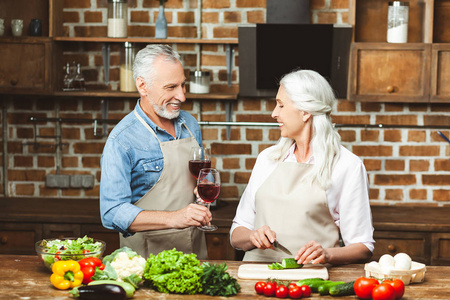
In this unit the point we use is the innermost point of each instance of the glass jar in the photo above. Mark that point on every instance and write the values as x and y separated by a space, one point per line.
199 82
398 13
117 18
127 56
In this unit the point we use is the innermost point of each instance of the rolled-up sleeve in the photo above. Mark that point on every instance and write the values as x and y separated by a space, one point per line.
117 211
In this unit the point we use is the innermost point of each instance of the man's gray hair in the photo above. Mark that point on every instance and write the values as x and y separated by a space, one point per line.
143 63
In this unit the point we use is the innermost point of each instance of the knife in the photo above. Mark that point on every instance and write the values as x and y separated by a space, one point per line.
280 247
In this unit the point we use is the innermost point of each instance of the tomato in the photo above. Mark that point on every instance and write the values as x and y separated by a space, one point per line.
295 292
291 285
363 287
398 286
306 290
259 287
270 288
383 291
282 291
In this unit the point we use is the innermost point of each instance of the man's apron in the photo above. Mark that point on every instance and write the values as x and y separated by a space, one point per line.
173 191
297 211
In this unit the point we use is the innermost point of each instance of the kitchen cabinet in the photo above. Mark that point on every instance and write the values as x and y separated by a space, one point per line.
34 65
409 72
19 238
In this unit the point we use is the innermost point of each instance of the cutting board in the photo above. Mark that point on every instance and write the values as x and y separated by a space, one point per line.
262 271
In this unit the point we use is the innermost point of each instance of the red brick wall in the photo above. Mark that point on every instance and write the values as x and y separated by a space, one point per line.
405 166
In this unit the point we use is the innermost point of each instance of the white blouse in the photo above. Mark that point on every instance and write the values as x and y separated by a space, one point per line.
348 196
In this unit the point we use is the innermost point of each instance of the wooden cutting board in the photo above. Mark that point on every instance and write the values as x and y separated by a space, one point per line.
262 271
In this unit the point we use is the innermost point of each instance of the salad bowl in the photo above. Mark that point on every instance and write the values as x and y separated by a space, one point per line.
53 250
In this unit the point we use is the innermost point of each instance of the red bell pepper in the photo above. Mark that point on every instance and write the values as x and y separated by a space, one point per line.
88 266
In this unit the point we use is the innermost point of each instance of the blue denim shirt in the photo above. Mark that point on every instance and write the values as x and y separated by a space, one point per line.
132 163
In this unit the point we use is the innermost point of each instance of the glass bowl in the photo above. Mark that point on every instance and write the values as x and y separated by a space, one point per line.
53 250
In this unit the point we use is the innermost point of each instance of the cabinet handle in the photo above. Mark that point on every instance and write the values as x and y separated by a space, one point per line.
391 248
216 241
14 82
390 89
4 240
61 236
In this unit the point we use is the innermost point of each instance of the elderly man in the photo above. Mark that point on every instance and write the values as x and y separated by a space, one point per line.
146 190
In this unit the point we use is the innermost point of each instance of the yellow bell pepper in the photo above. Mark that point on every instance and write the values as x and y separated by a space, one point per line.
66 274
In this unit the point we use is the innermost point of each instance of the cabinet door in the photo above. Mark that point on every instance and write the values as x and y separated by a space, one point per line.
16 238
219 246
415 244
60 231
440 248
440 73
389 73
25 65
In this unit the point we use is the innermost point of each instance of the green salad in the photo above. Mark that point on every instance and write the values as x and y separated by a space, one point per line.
55 249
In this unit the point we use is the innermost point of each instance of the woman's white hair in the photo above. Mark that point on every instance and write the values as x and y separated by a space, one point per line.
143 62
311 93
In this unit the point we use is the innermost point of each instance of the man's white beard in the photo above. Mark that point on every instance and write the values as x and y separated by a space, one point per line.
164 113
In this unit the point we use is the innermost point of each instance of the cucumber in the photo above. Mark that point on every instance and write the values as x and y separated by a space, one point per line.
308 281
290 263
128 287
344 289
315 285
324 289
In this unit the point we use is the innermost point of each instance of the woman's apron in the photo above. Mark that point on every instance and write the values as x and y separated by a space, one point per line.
297 211
173 191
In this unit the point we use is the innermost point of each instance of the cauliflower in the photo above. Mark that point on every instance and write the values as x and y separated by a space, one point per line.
126 266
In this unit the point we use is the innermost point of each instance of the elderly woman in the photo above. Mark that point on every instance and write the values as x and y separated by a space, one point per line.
307 192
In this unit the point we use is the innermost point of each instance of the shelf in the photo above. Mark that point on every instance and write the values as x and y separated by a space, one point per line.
117 94
144 40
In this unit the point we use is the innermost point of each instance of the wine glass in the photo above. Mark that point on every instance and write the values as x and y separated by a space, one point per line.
200 158
208 185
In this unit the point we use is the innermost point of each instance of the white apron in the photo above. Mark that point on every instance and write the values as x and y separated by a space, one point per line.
298 212
174 190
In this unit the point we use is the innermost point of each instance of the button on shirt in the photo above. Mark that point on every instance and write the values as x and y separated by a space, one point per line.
348 199
132 163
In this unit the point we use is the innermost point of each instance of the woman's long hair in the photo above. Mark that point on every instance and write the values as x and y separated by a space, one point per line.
311 93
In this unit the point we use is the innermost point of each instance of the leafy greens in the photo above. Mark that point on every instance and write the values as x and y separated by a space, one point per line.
172 271
217 282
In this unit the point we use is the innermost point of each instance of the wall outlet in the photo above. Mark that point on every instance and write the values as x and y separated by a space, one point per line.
57 181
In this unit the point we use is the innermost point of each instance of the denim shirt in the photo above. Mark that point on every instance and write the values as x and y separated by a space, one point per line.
132 162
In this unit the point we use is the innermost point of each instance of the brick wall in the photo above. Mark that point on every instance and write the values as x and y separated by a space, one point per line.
405 166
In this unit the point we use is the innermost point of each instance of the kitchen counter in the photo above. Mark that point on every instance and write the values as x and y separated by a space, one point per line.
25 277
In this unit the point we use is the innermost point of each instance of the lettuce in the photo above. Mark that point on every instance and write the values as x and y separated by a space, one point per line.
172 271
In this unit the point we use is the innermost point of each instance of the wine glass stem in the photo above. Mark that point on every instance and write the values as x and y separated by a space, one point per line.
207 206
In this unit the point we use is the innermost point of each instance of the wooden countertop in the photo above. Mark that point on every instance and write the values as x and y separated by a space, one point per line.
25 277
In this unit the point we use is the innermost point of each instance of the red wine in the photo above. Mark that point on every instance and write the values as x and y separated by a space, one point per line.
208 192
196 165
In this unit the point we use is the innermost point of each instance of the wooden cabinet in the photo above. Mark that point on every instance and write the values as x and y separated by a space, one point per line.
440 246
381 69
410 72
19 238
25 65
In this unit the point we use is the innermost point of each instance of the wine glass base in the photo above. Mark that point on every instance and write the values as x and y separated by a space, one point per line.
208 228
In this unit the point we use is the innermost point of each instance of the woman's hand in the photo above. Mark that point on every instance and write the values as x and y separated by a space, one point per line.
263 237
312 252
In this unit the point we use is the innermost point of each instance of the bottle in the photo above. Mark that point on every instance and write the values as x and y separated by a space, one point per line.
67 81
398 22
127 56
117 18
78 81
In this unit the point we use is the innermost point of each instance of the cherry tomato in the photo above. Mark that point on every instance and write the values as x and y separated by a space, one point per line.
259 287
270 288
282 291
86 251
291 285
363 287
295 292
398 286
306 290
383 291
57 257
